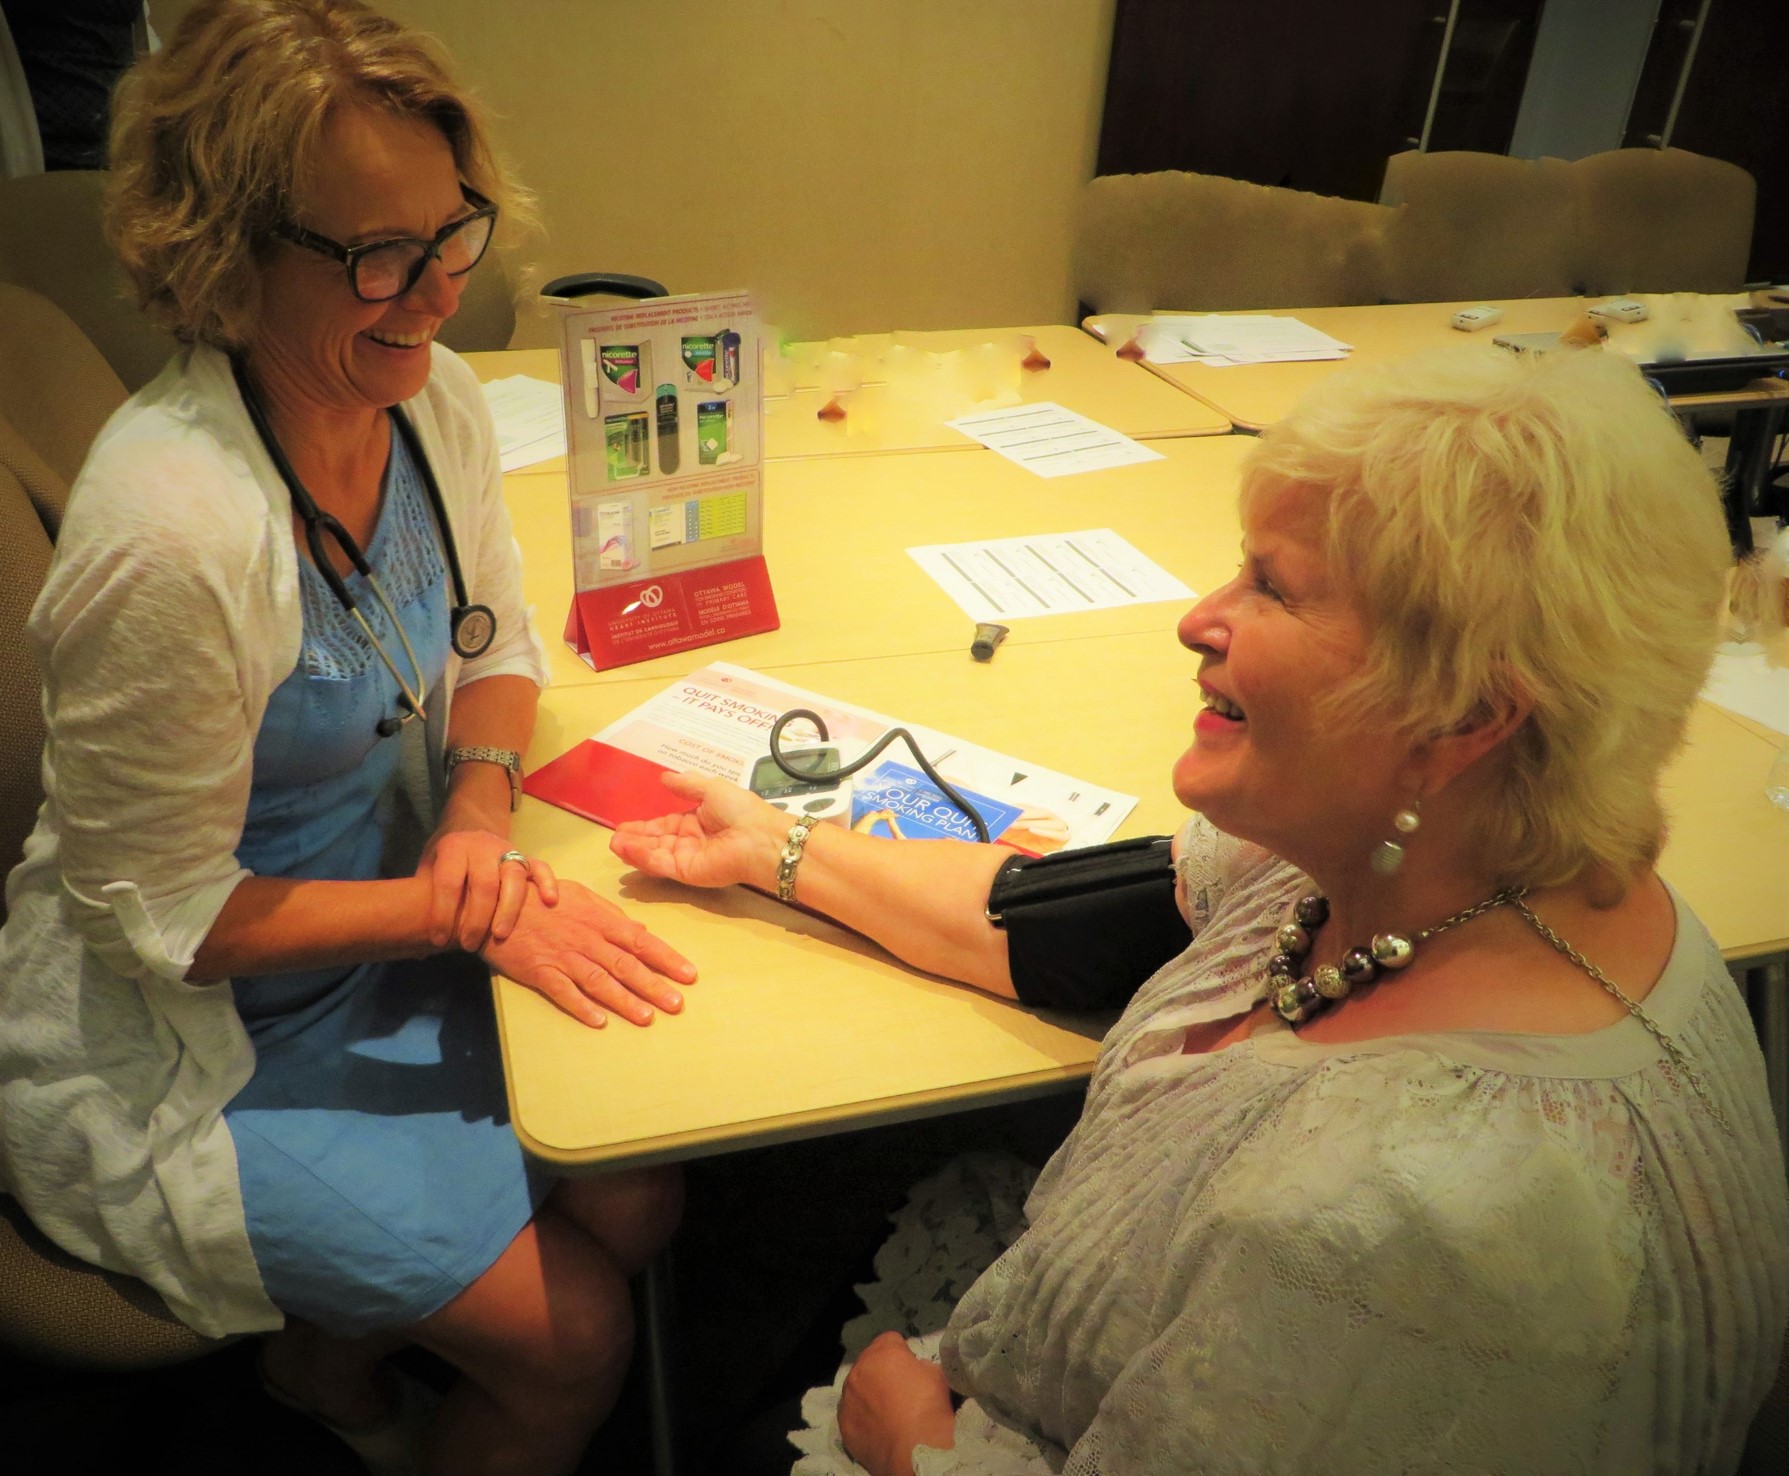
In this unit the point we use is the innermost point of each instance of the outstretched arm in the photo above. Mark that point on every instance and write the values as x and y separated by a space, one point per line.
924 901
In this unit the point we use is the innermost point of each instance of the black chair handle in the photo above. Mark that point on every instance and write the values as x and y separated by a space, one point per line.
612 284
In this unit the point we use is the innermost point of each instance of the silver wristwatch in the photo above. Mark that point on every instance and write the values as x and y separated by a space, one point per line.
507 757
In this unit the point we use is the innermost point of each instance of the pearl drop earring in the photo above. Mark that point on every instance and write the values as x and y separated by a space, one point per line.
1388 855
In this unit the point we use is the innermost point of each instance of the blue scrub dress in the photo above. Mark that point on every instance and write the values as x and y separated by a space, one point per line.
379 1173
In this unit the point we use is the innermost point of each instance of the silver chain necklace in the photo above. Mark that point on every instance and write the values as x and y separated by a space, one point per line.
1671 1047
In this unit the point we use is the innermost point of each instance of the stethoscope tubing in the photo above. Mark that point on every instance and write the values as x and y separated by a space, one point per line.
465 615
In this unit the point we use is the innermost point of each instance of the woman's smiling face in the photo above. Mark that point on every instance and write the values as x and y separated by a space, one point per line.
1266 762
381 176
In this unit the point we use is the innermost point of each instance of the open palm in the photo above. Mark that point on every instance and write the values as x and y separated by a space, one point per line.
731 837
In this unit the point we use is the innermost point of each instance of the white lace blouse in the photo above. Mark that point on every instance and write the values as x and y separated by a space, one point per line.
1464 1252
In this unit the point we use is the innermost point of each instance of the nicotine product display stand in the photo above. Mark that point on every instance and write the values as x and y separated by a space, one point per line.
664 441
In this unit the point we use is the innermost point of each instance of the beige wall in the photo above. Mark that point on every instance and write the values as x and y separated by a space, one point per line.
861 164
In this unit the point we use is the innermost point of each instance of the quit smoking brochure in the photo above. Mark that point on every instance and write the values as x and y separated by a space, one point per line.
717 721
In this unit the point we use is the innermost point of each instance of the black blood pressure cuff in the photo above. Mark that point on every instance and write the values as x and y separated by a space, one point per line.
1084 928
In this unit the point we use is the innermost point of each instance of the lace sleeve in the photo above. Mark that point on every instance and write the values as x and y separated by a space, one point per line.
1207 863
954 1225
984 1446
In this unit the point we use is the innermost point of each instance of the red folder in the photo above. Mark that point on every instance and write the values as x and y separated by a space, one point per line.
606 784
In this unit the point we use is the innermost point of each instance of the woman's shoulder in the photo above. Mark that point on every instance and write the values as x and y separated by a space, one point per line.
1410 1145
171 492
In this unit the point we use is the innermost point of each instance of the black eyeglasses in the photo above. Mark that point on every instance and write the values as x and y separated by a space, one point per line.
382 270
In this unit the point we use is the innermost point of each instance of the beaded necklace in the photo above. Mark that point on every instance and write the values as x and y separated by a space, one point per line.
1295 998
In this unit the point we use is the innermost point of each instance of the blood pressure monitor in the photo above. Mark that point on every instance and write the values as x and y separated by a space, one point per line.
825 796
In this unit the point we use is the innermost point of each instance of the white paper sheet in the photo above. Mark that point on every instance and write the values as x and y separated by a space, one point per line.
1225 339
530 417
1051 441
1047 574
1744 682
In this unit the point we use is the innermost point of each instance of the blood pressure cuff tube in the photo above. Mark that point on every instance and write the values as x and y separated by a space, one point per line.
1085 928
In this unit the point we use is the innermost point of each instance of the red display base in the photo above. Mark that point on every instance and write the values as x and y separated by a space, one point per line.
626 623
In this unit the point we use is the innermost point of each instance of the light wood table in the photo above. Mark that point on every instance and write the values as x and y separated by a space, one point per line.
798 1028
836 531
1084 375
1727 849
1254 396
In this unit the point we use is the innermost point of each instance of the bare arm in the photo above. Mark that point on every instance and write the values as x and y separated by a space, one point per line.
924 901
271 924
474 896
497 712
578 950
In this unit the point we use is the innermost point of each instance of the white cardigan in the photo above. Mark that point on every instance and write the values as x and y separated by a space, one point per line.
170 614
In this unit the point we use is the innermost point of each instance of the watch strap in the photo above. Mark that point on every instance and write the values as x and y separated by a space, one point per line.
507 758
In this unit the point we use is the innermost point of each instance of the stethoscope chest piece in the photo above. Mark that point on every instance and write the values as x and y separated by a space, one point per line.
472 628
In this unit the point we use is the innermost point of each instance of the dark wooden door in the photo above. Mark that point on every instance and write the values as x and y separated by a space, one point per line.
1733 105
1311 94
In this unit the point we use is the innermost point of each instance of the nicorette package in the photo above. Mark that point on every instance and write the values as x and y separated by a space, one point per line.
665 459
626 371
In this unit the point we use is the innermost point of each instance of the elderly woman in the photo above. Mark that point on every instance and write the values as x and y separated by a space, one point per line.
1470 1167
288 674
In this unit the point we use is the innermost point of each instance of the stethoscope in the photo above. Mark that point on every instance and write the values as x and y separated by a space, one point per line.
471 628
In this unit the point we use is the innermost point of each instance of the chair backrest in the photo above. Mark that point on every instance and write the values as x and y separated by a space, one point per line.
1206 243
487 315
24 560
56 391
55 394
51 242
1471 225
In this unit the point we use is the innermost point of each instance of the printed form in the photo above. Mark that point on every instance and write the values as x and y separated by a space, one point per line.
1047 574
1051 441
530 419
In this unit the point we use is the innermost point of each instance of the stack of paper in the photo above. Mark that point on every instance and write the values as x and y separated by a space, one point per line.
1221 339
530 417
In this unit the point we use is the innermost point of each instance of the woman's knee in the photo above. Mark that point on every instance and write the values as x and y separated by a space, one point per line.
631 1214
553 1313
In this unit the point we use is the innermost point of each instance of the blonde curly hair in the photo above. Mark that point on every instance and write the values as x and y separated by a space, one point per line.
213 137
1522 528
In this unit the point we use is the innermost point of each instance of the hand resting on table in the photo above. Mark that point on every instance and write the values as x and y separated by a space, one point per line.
589 957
